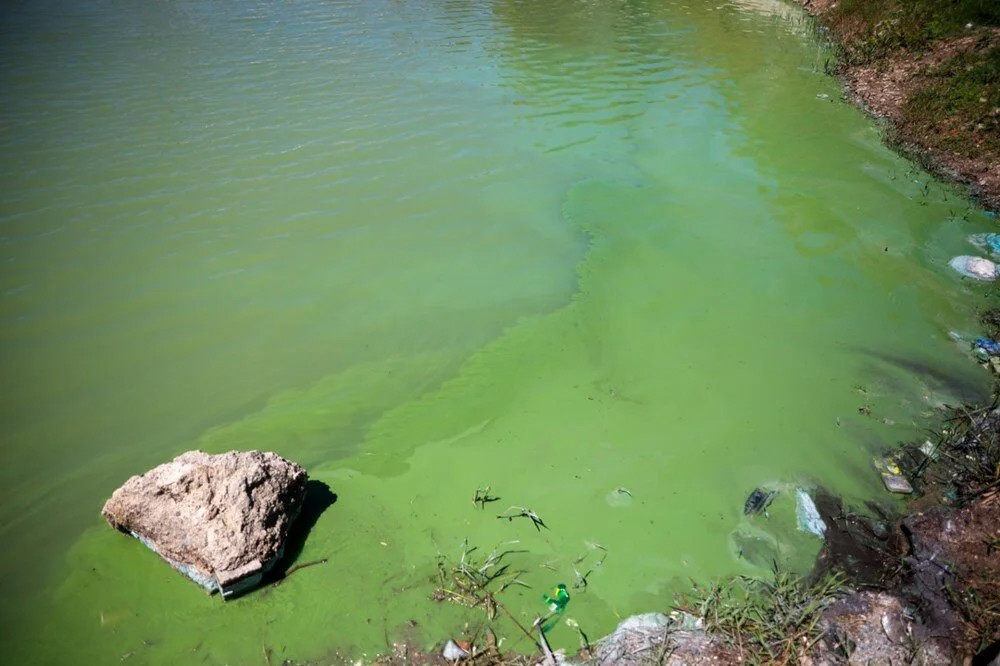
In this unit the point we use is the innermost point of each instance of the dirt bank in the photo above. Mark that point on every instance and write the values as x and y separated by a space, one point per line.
931 70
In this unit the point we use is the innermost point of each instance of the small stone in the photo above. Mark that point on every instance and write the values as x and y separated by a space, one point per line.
896 483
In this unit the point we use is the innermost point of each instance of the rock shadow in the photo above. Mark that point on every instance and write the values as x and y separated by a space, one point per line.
318 499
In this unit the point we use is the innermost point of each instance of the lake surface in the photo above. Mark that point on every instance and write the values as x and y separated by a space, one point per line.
427 246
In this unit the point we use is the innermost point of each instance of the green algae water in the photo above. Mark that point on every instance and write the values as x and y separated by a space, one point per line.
620 261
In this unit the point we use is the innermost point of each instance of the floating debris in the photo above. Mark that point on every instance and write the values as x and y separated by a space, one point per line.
300 567
584 640
619 497
483 497
758 501
989 242
892 476
977 268
453 651
896 483
990 346
520 512
807 515
557 598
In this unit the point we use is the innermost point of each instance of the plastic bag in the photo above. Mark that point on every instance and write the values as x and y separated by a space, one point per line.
974 267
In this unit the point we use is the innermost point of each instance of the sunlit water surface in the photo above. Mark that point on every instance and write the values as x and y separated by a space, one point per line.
424 246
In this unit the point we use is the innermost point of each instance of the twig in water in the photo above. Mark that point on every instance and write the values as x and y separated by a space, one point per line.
513 581
298 567
593 546
520 512
584 641
516 623
482 497
550 659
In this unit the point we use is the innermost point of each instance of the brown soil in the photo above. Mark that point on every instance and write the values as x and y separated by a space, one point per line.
958 551
932 576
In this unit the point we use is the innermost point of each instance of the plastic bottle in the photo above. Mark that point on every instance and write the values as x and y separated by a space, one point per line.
557 598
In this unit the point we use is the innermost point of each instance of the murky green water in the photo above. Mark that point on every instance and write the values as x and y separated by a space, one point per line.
424 246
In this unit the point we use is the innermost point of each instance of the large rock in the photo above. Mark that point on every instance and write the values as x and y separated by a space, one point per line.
220 519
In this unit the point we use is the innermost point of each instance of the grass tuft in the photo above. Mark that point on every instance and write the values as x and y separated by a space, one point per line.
766 622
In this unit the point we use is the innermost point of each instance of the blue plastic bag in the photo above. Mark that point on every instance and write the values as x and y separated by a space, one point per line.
991 347
993 242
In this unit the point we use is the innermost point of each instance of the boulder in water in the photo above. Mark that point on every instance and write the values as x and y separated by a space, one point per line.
222 520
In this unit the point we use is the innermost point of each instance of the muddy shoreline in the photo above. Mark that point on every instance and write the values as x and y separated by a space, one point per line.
883 81
942 560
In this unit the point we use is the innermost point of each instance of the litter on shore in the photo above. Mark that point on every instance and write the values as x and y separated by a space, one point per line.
976 268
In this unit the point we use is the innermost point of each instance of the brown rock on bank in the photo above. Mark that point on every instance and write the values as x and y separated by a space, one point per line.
220 519
874 627
956 562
